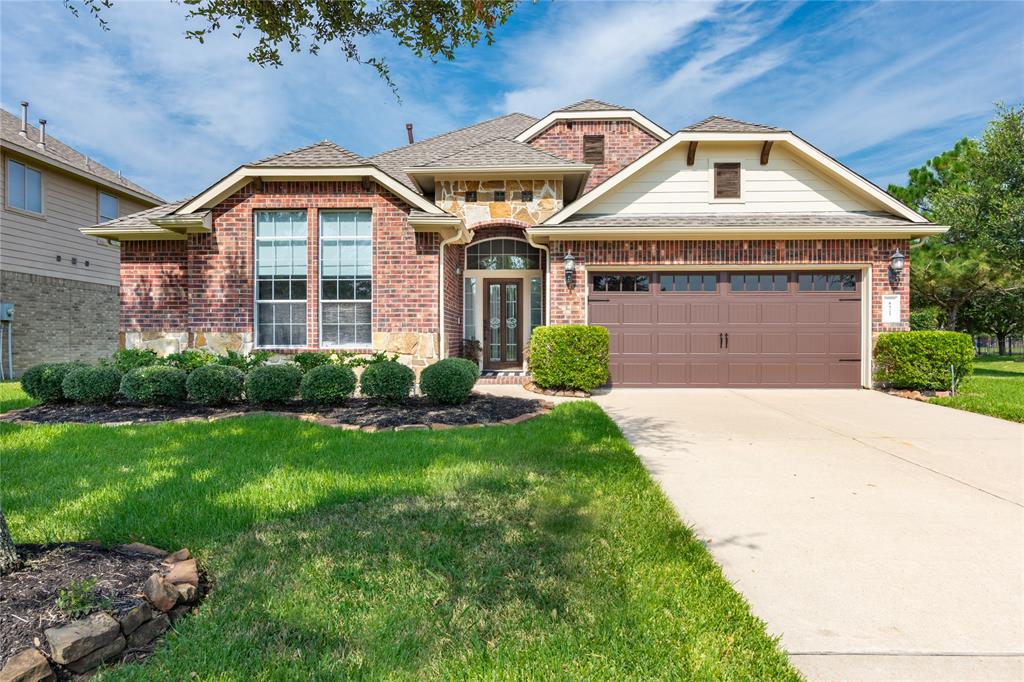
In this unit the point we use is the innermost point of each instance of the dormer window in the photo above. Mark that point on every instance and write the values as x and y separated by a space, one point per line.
727 181
593 149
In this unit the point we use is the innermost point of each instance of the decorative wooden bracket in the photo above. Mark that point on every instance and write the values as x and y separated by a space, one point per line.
691 153
766 150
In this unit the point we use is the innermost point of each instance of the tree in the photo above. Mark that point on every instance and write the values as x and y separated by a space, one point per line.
951 275
431 28
1000 314
8 554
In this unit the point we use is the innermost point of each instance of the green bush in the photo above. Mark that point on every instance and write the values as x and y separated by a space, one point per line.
154 385
310 359
128 359
272 384
92 384
215 384
388 380
45 382
328 385
189 360
450 380
255 359
922 360
924 319
569 356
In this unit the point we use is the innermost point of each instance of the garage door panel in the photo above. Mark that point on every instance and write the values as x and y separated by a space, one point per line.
671 343
705 313
744 342
673 313
604 313
777 313
637 373
775 344
704 343
811 374
844 312
636 313
811 343
840 343
844 373
672 373
743 313
743 373
705 374
812 313
776 374
633 344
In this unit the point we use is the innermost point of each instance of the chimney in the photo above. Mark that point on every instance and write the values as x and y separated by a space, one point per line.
42 133
408 131
24 119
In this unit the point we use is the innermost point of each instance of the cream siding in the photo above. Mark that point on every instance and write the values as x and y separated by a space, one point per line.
785 185
30 244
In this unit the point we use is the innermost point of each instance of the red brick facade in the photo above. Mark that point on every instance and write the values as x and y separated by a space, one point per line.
154 286
624 143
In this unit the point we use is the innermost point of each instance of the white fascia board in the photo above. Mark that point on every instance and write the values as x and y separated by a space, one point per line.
127 234
611 115
810 232
237 179
500 170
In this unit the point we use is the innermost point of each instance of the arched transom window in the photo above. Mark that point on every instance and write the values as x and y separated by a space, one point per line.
502 254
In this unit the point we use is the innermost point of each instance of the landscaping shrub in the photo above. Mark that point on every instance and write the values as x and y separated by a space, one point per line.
921 360
569 356
310 359
92 384
924 319
154 385
328 385
128 359
257 358
190 360
450 380
215 384
45 382
272 384
388 380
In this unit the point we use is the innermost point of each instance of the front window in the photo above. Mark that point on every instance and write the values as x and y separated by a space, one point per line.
469 308
346 285
502 254
24 187
109 207
280 278
759 282
536 298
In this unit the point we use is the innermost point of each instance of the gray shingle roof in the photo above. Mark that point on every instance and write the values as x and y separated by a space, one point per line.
394 161
140 220
593 105
502 153
721 124
741 220
10 127
319 154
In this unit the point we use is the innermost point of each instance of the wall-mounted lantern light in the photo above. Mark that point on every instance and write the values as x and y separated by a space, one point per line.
897 261
570 268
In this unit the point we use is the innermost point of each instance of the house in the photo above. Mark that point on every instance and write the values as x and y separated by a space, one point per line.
724 254
62 284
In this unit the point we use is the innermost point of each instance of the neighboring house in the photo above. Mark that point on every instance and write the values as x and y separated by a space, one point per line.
725 254
62 283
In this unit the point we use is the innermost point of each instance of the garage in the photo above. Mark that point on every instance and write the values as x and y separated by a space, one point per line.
731 329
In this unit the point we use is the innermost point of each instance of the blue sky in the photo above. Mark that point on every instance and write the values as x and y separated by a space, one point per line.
881 86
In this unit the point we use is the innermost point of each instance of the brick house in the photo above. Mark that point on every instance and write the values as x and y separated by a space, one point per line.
725 254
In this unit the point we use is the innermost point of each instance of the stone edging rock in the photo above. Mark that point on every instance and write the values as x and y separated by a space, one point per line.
920 396
567 393
83 645
545 407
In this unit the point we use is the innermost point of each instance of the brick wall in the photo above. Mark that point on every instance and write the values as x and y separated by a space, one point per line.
58 320
624 143
569 305
154 286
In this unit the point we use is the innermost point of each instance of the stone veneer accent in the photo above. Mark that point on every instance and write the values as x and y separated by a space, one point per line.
547 200
624 143
569 306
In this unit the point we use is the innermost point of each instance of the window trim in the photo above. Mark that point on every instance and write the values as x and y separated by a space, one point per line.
99 205
7 160
320 279
256 288
712 162
465 256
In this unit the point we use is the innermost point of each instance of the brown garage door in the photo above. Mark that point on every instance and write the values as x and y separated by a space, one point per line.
760 329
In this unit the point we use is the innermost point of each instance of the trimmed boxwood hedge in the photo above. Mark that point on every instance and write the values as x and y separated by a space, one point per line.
92 385
921 360
569 356
45 382
273 384
449 381
387 380
215 384
154 385
328 385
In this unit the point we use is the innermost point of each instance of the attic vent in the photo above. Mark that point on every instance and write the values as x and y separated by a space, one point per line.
727 181
593 149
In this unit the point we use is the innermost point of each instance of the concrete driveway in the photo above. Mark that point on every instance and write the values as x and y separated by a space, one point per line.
881 538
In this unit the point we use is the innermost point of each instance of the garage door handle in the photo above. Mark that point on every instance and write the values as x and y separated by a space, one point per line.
720 339
849 359
727 339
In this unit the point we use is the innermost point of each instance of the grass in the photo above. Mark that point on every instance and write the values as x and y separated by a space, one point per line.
996 389
12 397
541 550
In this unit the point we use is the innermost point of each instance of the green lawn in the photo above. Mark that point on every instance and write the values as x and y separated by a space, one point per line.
541 550
12 397
996 389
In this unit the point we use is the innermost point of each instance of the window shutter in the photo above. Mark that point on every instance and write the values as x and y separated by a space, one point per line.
727 181
593 149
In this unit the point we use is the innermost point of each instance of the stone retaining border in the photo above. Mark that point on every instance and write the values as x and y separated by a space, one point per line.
565 393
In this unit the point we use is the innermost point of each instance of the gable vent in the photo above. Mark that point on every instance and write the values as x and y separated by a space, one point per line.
727 181
593 149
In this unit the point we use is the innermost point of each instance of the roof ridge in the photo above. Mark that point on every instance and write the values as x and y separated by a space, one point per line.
324 141
698 124
610 105
452 132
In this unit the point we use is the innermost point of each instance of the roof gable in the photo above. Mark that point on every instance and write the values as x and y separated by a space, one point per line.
722 124
593 105
318 154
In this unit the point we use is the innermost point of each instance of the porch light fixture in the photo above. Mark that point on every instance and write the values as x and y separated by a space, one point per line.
897 261
570 268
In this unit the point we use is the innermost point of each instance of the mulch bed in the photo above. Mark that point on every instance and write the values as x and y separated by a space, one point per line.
355 413
28 595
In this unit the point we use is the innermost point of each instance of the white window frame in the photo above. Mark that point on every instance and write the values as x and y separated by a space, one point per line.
99 206
465 256
7 188
320 279
256 281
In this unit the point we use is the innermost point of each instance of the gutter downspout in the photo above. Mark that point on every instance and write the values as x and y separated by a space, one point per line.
461 236
547 274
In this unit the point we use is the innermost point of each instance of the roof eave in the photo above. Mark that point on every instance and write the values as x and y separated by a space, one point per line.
738 232
130 234
605 115
578 169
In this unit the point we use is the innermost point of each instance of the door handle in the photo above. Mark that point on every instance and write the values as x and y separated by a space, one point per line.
727 339
720 339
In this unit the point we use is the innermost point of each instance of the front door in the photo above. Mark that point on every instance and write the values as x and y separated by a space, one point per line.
503 329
